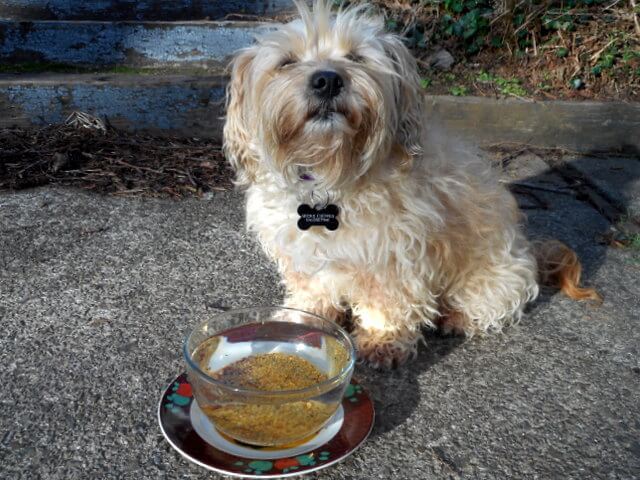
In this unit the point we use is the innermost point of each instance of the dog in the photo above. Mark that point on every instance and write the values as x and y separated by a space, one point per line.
352 194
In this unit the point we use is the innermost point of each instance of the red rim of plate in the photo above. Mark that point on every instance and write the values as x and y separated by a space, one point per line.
175 422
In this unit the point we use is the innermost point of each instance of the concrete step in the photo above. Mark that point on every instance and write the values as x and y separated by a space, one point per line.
181 105
138 10
194 106
133 44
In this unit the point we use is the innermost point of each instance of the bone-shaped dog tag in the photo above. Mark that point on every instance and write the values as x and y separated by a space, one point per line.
310 217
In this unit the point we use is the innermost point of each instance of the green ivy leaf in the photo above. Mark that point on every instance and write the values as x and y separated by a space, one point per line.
459 90
455 6
484 77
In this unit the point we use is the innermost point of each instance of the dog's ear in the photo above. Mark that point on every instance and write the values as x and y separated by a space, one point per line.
409 98
236 133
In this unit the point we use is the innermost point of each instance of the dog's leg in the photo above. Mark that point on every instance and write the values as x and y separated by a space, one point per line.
388 322
312 295
384 343
380 343
493 296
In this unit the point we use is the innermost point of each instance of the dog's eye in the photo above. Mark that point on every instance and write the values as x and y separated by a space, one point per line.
287 61
354 57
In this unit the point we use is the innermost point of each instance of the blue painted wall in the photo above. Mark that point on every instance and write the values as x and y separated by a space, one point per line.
98 43
113 10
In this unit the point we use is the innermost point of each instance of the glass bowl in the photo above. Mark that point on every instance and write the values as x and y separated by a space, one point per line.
269 376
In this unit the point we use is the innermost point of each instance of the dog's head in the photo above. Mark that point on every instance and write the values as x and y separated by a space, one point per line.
330 93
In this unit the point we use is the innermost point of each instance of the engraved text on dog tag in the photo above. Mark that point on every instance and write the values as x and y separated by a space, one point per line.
310 216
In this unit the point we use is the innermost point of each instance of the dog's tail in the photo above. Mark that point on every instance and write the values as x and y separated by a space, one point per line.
559 267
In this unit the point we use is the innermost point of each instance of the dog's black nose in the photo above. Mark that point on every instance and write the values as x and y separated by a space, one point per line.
326 83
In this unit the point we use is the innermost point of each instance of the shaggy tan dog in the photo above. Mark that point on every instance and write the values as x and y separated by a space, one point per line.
327 109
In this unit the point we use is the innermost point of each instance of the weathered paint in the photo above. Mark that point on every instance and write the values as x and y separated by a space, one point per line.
180 105
135 44
117 10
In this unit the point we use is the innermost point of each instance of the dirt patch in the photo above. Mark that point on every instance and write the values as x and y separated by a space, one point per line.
111 161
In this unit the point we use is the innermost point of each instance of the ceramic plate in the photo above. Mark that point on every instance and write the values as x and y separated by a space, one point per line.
192 434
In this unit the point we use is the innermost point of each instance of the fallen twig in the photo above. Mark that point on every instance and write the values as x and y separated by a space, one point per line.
634 12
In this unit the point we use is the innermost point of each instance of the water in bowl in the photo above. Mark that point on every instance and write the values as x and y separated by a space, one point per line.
272 357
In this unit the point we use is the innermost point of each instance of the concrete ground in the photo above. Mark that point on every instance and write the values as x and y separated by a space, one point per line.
96 294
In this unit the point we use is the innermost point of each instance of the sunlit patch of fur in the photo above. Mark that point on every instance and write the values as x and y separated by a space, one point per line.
426 232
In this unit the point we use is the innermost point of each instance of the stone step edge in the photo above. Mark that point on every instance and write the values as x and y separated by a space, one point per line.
158 23
44 78
169 105
194 106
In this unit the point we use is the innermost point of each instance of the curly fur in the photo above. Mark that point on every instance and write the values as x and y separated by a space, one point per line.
427 236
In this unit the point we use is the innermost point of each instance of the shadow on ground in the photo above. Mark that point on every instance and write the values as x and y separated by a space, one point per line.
553 197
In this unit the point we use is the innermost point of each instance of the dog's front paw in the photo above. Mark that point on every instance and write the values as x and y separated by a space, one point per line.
453 323
341 316
383 354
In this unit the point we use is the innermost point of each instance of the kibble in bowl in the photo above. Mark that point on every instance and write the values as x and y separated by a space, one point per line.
269 376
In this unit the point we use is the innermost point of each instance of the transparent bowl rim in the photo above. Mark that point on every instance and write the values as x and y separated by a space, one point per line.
318 387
